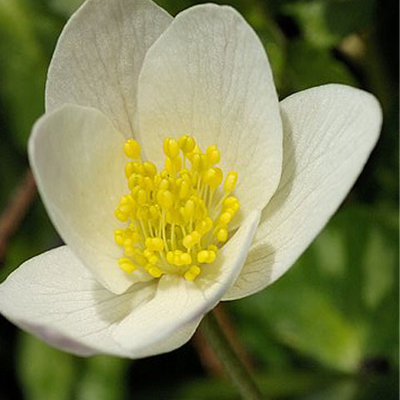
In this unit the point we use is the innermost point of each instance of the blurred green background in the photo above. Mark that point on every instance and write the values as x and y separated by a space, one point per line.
329 328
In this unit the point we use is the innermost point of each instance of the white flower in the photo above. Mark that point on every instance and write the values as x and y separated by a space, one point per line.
125 68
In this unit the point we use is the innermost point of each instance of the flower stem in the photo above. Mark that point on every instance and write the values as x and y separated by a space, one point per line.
233 365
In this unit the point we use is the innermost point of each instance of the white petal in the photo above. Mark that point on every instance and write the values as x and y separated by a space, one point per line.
208 76
99 56
54 297
78 162
329 132
170 319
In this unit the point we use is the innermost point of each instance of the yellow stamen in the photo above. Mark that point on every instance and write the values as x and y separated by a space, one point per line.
132 148
175 217
230 181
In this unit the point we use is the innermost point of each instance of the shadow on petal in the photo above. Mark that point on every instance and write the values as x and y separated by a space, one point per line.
289 171
112 309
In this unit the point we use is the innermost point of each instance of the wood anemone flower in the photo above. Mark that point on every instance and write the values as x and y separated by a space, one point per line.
174 175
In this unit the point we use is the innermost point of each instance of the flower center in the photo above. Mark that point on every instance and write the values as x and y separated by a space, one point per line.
175 219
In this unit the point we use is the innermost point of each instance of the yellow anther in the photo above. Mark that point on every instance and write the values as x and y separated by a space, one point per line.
141 197
204 225
231 211
127 265
165 199
153 259
135 237
133 167
154 211
199 162
147 253
213 177
154 271
119 237
190 208
132 148
171 148
164 184
154 244
212 247
128 169
225 218
170 257
222 235
135 181
191 239
185 174
138 167
192 273
142 213
173 165
186 259
121 216
126 200
172 183
184 189
172 216
179 258
206 257
176 259
195 178
149 169
196 150
148 183
235 207
150 256
202 256
127 241
213 155
188 241
186 143
129 250
211 257
230 201
230 181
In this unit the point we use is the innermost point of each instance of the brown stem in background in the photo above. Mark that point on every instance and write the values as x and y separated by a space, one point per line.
207 357
16 209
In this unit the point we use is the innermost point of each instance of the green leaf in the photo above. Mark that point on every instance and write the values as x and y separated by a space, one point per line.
103 378
308 66
65 7
311 17
44 372
26 40
324 23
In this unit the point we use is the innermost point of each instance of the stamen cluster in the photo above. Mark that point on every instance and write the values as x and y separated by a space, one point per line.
179 217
